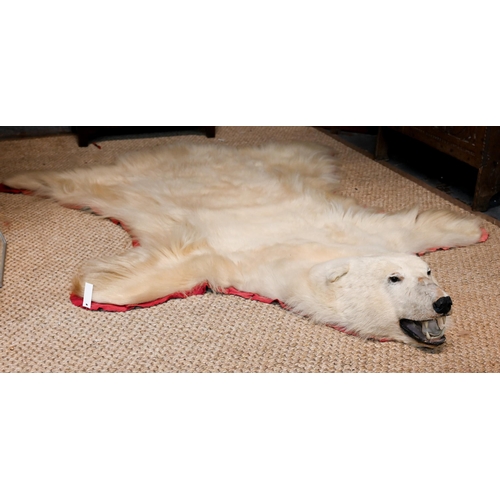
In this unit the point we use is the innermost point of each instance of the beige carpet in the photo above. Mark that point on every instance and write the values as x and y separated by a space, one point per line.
41 331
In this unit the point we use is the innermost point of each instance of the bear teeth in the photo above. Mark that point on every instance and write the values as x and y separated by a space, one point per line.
433 328
441 322
425 329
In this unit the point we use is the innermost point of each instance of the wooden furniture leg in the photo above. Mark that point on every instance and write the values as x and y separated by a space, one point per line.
381 148
488 175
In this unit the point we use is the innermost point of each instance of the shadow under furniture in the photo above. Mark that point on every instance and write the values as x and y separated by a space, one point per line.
87 135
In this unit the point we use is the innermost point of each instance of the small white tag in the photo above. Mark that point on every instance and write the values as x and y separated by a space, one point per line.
87 295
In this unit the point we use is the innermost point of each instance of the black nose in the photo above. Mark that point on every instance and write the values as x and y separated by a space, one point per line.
442 305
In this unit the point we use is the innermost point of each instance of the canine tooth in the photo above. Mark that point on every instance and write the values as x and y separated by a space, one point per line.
441 321
425 329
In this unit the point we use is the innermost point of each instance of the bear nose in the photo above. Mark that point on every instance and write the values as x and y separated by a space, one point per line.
442 305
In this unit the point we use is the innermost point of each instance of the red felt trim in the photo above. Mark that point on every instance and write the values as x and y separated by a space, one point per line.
484 235
6 189
252 296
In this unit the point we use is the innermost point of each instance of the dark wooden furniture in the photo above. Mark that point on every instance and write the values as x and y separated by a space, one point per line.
476 146
86 135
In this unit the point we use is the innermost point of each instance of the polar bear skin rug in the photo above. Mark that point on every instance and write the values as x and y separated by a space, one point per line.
265 220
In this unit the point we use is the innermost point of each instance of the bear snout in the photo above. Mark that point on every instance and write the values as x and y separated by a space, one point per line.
443 305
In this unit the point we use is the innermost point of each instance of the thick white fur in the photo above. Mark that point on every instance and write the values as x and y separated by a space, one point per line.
261 219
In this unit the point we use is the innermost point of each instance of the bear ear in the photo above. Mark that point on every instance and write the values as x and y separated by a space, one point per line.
331 271
338 273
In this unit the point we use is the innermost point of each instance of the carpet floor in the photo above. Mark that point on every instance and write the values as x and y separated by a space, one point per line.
41 331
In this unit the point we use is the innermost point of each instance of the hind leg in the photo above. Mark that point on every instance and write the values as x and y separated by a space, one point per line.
40 182
68 186
142 276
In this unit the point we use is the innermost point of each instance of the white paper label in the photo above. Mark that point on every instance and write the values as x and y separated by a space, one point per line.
87 295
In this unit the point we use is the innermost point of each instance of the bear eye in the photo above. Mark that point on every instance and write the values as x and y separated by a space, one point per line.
429 272
394 279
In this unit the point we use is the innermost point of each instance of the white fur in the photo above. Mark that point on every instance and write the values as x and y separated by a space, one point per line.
261 219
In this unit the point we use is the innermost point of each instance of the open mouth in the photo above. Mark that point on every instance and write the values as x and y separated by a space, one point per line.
429 333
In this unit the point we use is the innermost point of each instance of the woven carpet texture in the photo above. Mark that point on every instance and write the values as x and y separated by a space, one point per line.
41 331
